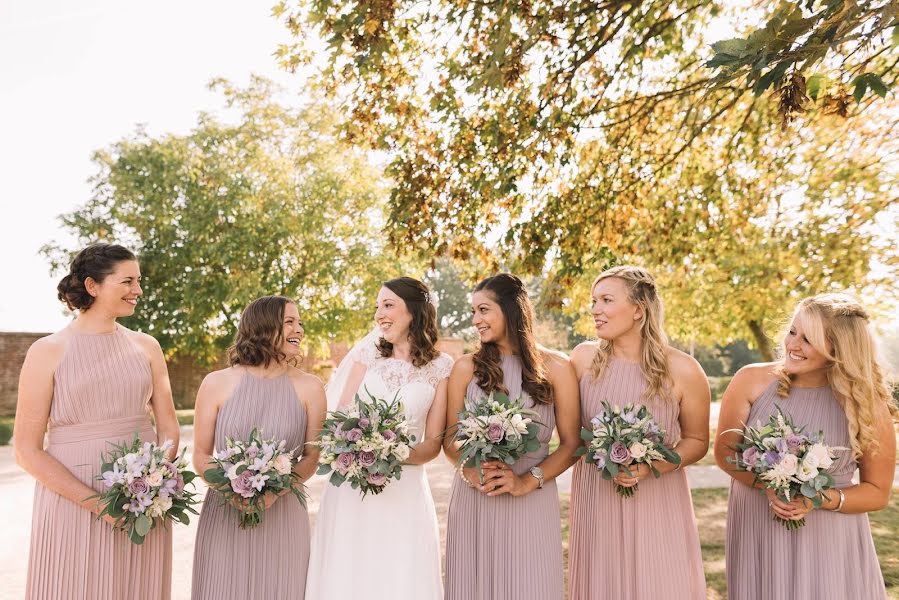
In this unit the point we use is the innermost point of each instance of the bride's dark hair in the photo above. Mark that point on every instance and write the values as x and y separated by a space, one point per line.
508 291
423 328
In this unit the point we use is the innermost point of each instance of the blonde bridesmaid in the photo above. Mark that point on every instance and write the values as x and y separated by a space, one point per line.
504 539
261 390
89 385
646 546
828 380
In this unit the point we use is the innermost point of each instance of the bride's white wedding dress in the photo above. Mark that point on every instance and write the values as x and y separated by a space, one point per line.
386 546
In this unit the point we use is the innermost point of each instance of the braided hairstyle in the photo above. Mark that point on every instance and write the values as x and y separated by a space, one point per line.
836 325
641 287
95 261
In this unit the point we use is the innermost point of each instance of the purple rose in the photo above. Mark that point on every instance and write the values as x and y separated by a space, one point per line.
600 459
252 451
377 478
180 485
794 442
243 485
750 456
364 422
344 462
139 486
388 435
619 453
495 432
367 458
354 435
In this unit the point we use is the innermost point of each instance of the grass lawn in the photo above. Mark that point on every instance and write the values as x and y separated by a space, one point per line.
711 514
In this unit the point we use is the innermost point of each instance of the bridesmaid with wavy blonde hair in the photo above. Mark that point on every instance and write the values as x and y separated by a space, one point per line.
645 546
829 380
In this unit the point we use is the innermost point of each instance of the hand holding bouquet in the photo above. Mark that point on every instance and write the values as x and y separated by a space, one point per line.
787 461
365 444
624 436
497 428
142 488
245 471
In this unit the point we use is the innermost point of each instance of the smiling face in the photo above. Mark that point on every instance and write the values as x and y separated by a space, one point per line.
292 332
117 294
613 312
392 316
800 355
488 317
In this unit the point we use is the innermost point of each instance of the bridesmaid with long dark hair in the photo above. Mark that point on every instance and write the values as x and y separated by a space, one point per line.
829 379
645 546
89 385
260 390
503 528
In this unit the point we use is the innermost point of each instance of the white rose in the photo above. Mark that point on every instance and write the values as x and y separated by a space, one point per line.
810 461
637 450
155 479
821 454
402 451
788 465
282 464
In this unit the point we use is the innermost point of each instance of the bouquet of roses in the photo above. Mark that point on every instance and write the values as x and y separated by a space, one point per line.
787 461
621 437
142 488
497 428
365 444
245 470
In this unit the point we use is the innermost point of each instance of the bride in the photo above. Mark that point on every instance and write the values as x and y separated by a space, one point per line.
388 545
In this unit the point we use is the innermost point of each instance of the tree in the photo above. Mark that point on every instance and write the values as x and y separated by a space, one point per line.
580 134
272 204
454 297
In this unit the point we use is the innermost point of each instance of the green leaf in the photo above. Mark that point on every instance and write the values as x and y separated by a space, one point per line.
772 76
877 85
735 47
142 525
813 86
861 86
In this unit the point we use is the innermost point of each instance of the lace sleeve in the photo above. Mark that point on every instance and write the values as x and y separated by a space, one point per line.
439 369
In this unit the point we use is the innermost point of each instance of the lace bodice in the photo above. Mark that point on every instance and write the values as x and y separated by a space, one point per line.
415 386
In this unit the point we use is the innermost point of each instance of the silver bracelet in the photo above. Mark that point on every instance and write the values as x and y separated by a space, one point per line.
839 507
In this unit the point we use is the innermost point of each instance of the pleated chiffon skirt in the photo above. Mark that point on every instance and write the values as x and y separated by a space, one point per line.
75 556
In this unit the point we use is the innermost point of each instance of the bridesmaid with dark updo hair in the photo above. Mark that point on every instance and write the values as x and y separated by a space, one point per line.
87 386
504 538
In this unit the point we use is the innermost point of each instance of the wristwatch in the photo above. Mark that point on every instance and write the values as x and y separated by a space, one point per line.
537 473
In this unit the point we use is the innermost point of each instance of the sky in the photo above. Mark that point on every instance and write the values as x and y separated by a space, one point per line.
77 76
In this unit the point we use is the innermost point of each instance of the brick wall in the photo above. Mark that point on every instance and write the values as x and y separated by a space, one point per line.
184 374
13 347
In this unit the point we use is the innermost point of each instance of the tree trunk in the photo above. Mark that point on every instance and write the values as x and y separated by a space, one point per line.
761 340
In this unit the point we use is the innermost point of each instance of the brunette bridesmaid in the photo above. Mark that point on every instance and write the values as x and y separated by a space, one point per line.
504 537
829 380
89 385
645 546
259 390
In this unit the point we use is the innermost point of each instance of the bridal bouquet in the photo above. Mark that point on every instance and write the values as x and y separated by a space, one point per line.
245 470
621 437
497 428
365 444
787 461
141 488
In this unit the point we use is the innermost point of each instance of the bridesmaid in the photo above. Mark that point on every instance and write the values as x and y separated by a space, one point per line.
259 390
504 538
829 379
646 546
87 386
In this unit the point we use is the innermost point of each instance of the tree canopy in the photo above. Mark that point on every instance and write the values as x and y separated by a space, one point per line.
273 203
561 137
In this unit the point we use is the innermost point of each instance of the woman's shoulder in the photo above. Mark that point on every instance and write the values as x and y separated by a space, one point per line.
464 365
750 381
305 379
